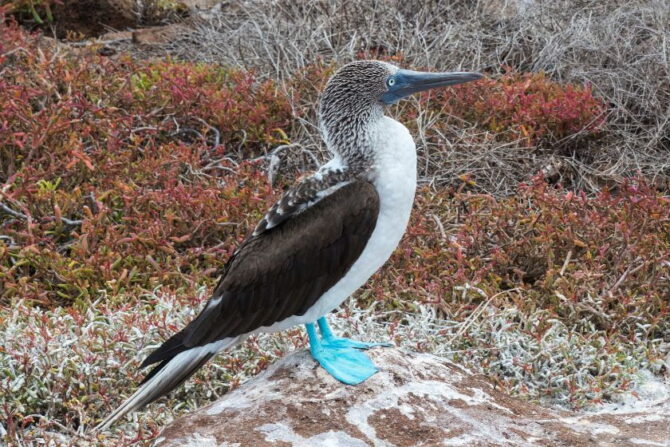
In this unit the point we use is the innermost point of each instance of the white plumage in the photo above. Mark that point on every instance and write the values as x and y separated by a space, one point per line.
394 176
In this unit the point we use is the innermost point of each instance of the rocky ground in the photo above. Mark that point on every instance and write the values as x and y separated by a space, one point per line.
414 400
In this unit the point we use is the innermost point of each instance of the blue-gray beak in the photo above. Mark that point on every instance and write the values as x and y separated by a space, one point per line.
407 82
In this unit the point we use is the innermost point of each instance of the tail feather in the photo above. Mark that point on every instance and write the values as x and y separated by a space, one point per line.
165 377
154 371
167 351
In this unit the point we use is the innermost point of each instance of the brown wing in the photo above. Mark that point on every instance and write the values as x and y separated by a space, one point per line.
284 270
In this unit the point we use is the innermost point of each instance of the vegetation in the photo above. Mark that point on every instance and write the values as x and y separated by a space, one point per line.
584 281
116 180
75 21
35 9
537 252
617 49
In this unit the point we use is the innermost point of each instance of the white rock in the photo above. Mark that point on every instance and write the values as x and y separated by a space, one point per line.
415 400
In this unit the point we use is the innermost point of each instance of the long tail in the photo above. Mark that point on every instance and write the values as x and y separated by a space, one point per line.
165 377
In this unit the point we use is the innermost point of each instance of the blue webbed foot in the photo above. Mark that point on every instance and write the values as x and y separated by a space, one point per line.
348 365
341 357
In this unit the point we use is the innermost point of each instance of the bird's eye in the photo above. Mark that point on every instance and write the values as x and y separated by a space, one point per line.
391 82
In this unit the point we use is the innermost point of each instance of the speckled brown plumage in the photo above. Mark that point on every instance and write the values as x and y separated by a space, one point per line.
349 103
301 196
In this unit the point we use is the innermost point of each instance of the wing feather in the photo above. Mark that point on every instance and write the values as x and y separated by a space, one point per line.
279 272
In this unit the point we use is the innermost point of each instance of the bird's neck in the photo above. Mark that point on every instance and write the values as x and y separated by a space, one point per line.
350 133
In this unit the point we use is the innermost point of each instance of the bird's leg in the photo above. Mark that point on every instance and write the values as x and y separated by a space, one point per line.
336 342
346 364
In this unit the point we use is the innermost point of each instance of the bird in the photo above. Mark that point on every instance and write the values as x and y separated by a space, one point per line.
321 240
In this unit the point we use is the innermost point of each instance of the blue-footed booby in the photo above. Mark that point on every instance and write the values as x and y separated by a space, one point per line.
320 242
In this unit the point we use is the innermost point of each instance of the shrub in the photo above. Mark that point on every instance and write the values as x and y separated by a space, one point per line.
595 263
120 175
528 107
574 44
64 369
38 10
560 294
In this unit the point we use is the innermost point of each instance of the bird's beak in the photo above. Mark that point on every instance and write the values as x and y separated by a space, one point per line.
407 82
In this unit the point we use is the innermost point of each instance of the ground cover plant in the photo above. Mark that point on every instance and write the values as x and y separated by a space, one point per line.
591 267
127 182
75 21
618 49
112 166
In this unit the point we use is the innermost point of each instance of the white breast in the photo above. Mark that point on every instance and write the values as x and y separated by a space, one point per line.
395 180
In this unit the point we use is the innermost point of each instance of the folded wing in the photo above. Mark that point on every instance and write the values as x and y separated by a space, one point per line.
277 273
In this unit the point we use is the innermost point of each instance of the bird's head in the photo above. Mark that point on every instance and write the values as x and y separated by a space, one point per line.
356 94
368 83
